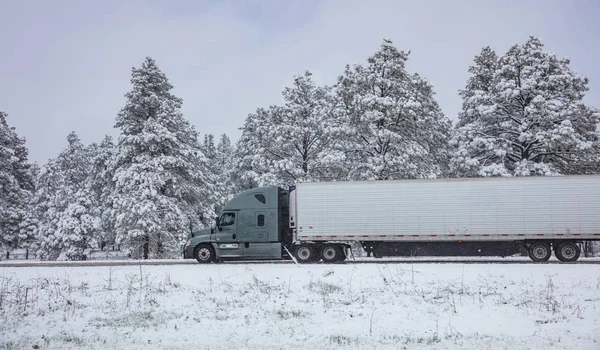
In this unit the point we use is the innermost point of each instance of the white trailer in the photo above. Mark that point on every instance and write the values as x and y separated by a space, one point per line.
485 216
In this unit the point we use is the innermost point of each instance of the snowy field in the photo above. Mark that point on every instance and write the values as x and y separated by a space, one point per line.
286 306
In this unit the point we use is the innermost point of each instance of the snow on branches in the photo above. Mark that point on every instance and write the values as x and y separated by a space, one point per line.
523 114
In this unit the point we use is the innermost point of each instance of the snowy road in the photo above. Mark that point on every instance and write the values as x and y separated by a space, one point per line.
317 306
400 260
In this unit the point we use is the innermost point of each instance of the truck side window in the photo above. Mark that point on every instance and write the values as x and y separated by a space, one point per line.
261 198
227 219
260 220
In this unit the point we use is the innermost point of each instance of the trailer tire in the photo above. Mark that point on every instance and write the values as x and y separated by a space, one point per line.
204 253
331 253
567 252
305 253
540 251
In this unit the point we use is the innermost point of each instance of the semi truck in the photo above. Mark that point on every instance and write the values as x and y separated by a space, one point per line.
321 221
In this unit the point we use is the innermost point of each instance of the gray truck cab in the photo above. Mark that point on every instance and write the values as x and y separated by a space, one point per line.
253 225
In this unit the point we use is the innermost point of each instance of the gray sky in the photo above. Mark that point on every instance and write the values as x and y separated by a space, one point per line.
65 64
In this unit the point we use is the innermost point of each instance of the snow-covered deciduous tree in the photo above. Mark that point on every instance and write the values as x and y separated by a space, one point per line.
68 220
16 187
527 118
394 128
282 144
161 185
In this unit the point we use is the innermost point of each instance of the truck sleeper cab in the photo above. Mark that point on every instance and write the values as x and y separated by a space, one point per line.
253 225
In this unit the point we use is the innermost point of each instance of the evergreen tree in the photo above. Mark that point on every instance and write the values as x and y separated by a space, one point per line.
68 222
102 188
46 210
394 128
161 184
16 187
226 162
481 80
529 120
288 143
246 174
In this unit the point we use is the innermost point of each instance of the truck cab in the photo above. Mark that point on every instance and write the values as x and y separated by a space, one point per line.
253 225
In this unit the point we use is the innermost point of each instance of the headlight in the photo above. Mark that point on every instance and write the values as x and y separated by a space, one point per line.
189 243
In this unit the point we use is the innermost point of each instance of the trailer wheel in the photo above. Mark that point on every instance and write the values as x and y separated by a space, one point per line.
540 252
204 253
304 253
331 253
567 252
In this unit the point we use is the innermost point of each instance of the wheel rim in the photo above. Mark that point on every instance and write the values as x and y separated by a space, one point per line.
329 253
539 252
204 254
568 251
303 253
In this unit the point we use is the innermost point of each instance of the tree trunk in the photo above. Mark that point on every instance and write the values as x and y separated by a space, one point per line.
159 247
146 246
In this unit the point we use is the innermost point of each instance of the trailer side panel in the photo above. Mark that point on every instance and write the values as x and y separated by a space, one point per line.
450 209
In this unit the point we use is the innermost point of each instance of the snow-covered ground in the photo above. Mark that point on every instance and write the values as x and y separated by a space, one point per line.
286 306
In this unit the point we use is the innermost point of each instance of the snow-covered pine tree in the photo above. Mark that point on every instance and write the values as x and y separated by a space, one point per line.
47 209
394 128
530 121
482 75
16 187
30 224
288 143
102 187
161 184
210 152
225 159
214 168
245 175
69 223
221 164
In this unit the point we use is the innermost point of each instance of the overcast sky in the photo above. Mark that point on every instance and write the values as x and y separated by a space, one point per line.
65 64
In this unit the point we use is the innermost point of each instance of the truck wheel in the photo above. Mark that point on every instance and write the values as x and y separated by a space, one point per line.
567 252
204 254
305 253
331 253
540 252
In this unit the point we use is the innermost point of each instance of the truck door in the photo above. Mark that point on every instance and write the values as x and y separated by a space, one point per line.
227 236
